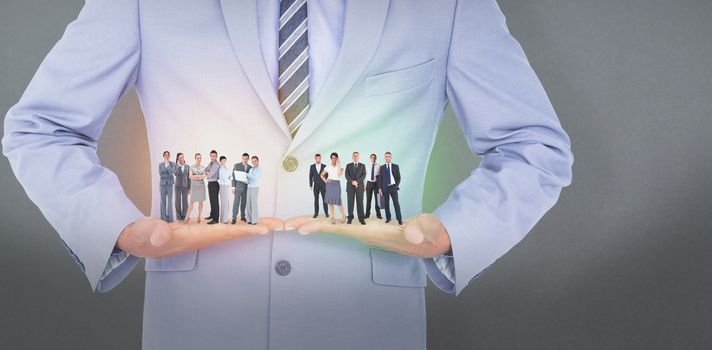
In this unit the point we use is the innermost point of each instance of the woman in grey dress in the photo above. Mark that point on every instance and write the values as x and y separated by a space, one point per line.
331 175
197 187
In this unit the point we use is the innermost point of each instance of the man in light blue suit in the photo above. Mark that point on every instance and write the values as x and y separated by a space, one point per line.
375 72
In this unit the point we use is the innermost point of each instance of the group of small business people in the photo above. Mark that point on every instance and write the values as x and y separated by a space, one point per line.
243 181
382 181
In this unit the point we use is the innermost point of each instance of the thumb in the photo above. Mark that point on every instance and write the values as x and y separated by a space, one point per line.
160 235
421 227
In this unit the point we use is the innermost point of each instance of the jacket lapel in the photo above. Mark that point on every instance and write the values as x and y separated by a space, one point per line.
363 25
241 22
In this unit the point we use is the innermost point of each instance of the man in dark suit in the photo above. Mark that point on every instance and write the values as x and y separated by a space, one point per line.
239 189
317 185
372 171
388 182
355 173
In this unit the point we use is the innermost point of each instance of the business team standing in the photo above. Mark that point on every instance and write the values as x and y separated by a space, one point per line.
381 179
324 181
191 180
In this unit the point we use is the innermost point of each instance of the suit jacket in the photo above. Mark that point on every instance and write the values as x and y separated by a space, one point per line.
166 173
230 295
181 173
382 184
240 167
357 173
314 175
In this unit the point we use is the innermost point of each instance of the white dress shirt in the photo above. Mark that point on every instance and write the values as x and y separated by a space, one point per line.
376 171
333 172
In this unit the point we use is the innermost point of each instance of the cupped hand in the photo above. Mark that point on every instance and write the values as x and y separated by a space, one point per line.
149 237
422 235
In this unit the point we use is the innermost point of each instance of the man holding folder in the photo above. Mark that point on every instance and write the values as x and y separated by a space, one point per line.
239 187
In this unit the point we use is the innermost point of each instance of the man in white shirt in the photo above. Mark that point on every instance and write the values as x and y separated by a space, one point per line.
372 171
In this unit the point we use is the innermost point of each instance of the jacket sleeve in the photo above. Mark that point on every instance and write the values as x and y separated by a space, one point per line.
234 181
311 176
379 179
56 124
346 175
507 119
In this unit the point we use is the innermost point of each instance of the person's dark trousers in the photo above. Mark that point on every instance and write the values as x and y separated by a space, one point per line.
320 190
371 190
181 202
391 192
351 194
214 193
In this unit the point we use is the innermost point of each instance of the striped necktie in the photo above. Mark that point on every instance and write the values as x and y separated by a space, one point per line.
293 62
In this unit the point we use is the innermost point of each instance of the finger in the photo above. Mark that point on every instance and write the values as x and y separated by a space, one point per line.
319 225
296 222
260 229
274 224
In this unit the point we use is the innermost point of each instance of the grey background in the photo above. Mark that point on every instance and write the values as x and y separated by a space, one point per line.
622 261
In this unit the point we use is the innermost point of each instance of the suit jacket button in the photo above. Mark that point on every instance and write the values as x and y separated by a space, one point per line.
290 163
283 267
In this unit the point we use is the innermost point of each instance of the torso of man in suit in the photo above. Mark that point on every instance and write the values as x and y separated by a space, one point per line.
355 172
315 179
241 167
399 63
393 175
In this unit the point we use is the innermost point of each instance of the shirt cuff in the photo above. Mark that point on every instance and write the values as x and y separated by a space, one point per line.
117 268
441 270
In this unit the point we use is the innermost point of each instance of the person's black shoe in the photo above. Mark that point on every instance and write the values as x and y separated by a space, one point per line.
363 222
212 222
349 221
327 215
253 223
234 221
400 222
315 215
379 217
243 219
208 218
388 220
368 215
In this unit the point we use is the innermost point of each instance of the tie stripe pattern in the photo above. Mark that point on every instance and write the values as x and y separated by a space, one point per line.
293 62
